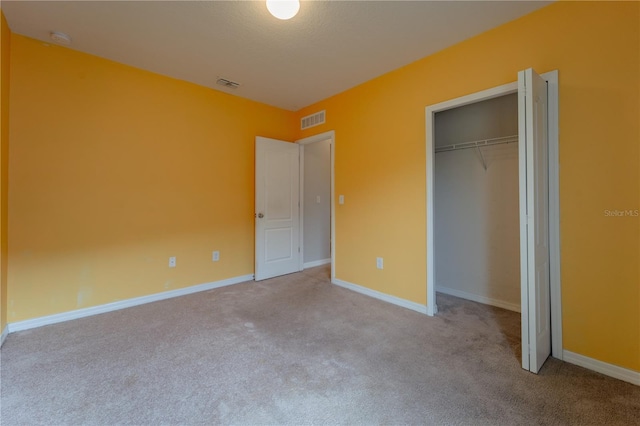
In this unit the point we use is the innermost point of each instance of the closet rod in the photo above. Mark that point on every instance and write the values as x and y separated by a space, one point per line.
478 144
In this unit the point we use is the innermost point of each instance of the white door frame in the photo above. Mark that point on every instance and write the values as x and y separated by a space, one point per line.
306 141
554 200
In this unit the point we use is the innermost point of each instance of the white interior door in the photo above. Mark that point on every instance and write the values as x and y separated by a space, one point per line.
534 219
277 208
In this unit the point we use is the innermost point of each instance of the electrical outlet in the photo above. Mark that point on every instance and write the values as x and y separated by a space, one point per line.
172 262
379 263
216 256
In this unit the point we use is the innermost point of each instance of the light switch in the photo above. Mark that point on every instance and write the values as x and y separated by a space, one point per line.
317 199
341 199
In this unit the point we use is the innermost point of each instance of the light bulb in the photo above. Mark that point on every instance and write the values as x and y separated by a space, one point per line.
283 9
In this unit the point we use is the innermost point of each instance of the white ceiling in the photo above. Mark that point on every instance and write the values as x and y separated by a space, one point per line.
329 47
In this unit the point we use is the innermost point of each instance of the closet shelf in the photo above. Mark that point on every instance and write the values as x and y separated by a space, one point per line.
478 144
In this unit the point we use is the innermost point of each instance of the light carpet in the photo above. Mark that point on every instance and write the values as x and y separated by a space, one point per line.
296 350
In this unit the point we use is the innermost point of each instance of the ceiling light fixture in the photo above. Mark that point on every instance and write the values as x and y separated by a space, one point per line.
283 9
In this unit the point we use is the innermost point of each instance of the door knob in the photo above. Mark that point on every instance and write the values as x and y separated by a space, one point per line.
260 215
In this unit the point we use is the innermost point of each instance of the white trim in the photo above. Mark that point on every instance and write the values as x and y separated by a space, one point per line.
319 138
554 213
333 206
122 304
316 263
432 308
301 206
522 221
480 299
483 95
607 369
381 296
5 333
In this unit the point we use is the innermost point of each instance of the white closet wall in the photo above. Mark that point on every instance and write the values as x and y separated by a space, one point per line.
317 203
476 210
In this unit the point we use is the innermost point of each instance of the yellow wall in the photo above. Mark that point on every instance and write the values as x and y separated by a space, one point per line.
114 169
380 163
5 39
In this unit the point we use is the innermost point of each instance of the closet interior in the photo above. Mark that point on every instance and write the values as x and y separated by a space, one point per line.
476 210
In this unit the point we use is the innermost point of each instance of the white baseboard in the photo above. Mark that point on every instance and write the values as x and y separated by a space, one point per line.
480 299
602 367
316 263
122 304
381 296
4 334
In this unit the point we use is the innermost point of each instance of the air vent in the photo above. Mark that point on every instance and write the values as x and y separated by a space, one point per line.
59 37
227 83
312 120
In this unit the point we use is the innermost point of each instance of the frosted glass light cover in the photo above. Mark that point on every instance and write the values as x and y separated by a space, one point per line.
283 9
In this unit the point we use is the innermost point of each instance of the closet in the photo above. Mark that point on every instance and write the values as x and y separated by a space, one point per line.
476 211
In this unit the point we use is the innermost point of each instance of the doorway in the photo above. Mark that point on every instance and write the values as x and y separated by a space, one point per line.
315 203
279 205
551 176
477 232
317 236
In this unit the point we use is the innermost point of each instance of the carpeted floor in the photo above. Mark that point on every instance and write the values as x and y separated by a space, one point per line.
296 350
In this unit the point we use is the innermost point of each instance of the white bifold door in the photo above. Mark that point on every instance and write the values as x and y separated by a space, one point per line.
277 207
534 219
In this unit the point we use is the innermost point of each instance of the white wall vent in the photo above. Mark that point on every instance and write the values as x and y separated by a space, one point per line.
312 120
